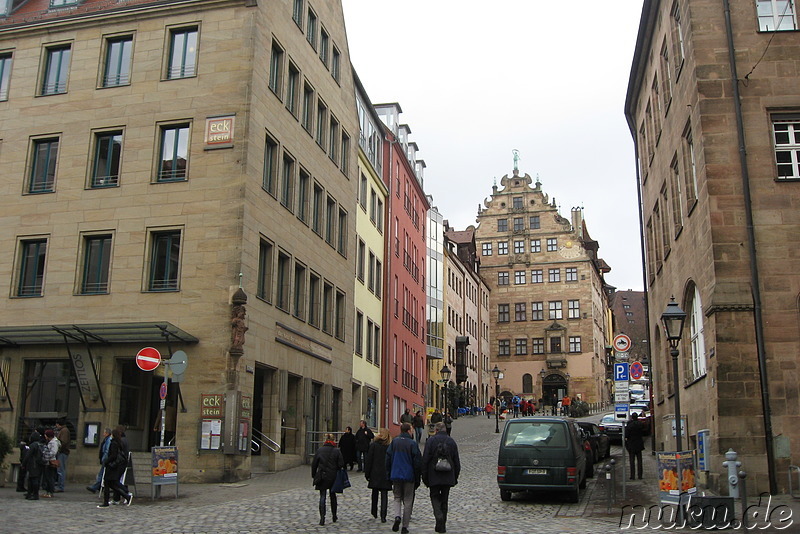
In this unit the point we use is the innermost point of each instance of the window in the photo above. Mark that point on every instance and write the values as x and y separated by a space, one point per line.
182 53
43 168
537 345
276 69
311 29
502 278
5 75
554 275
536 245
333 139
502 313
696 336
677 37
362 192
689 169
519 277
575 343
519 312
359 335
303 181
552 244
521 347
519 247
327 308
379 221
377 342
344 164
536 276
107 151
313 300
164 261
299 293
516 203
287 182
360 260
59 3
573 309
322 121
502 248
316 209
786 134
504 347
555 345
572 274
336 64
297 12
292 86
666 76
31 267
265 269
502 225
307 119
776 15
283 279
118 61
270 177
519 224
534 222
96 264
675 191
56 70
486 249
341 233
330 220
174 152
555 309
324 44
378 278
537 311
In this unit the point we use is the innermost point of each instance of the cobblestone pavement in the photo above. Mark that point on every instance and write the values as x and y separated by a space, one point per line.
285 502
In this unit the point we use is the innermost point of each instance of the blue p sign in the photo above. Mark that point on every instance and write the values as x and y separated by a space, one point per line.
621 372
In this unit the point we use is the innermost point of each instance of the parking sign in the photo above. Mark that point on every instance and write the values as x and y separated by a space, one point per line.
621 372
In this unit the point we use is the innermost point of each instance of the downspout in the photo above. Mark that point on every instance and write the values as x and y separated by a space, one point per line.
751 246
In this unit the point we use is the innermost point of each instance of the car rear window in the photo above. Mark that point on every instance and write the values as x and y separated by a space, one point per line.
545 434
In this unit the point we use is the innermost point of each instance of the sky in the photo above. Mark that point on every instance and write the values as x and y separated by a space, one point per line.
477 79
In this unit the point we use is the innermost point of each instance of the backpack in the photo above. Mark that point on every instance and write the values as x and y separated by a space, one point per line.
442 462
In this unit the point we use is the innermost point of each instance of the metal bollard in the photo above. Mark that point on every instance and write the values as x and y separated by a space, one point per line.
742 476
733 479
609 486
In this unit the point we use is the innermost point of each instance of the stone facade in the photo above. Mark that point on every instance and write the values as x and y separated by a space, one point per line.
702 188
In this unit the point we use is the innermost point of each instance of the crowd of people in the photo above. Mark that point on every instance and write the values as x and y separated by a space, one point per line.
43 464
395 464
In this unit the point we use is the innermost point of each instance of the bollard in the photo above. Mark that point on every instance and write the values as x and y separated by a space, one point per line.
733 479
607 469
742 475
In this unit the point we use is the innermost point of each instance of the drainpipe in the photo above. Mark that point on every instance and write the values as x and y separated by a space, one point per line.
751 246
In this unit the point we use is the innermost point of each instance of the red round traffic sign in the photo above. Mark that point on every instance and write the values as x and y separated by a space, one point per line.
148 359
622 343
636 370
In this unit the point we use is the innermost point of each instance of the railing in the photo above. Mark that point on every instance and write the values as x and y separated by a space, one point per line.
260 439
315 439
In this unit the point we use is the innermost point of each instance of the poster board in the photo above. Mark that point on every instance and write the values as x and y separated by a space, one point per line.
676 476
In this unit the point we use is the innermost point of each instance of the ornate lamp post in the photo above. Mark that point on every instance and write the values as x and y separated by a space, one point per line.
496 373
446 372
673 319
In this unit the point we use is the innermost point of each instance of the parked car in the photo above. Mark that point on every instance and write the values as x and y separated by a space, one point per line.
612 427
587 448
643 410
599 440
541 453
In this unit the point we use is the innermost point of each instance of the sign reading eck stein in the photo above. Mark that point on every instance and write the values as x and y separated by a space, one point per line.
219 132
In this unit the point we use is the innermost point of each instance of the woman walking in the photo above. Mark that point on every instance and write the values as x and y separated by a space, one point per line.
375 472
327 462
115 464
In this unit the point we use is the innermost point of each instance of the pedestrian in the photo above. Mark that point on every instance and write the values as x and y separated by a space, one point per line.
554 404
566 402
403 464
523 407
327 462
50 473
489 409
34 465
115 464
375 472
364 437
437 476
23 473
64 440
634 443
418 423
407 417
347 444
436 416
448 422
102 454
126 452
515 406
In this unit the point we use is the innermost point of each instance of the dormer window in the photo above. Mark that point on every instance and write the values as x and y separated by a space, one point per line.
62 3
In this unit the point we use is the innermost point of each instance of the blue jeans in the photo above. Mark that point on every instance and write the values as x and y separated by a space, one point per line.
62 470
361 456
418 432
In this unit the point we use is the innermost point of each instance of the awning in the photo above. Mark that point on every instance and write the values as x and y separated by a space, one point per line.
95 334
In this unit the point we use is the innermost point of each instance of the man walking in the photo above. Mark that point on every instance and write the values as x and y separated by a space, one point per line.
634 442
404 465
440 469
62 456
364 437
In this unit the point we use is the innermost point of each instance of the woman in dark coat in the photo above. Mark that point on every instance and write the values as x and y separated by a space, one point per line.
440 445
327 462
375 472
34 465
115 464
347 444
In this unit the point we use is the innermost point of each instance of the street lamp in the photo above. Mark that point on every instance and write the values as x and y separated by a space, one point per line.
673 319
446 372
496 373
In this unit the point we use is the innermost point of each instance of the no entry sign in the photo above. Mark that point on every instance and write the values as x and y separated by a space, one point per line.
148 359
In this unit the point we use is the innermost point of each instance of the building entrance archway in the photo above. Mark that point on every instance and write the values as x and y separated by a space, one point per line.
553 384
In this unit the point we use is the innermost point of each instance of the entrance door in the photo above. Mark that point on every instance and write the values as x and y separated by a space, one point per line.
553 384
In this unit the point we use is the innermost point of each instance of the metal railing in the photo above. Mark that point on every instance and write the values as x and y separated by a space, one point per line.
260 439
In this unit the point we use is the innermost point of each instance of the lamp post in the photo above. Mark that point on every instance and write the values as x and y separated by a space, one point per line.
673 319
496 373
446 372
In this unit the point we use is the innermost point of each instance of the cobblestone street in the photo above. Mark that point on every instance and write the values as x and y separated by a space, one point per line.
285 502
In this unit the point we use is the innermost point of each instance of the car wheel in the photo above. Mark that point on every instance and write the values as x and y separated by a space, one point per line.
589 471
573 495
582 484
505 495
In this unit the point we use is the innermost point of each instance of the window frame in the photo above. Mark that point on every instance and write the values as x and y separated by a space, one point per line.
101 265
35 274
108 180
59 86
792 122
183 70
46 181
776 18
171 264
175 175
6 66
120 78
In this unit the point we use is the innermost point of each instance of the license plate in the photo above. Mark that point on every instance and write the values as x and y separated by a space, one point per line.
536 471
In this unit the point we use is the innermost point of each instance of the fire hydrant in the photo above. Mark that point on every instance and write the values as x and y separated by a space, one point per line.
733 473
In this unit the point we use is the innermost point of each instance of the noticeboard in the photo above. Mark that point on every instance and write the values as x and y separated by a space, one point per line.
164 465
676 476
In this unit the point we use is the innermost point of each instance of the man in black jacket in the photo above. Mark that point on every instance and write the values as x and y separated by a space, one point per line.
363 438
435 472
634 442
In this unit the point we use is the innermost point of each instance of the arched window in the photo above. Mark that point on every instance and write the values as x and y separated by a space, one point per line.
527 383
696 338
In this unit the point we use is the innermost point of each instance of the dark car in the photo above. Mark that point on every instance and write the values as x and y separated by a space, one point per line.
612 427
599 440
541 453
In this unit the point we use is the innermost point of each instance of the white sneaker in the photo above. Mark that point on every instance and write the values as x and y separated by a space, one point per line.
129 500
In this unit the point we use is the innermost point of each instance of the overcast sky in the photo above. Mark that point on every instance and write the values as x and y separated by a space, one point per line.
477 79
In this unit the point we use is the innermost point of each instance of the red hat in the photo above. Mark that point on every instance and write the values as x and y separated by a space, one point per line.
49 433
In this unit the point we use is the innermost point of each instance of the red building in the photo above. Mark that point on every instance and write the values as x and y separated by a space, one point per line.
404 351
